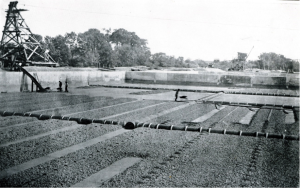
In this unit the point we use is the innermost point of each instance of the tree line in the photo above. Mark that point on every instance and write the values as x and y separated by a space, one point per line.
266 61
107 49
121 48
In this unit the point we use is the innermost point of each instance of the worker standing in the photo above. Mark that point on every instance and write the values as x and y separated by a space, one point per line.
66 86
59 86
176 94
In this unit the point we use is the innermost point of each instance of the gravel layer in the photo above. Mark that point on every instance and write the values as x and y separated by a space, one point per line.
13 120
39 147
221 160
279 159
19 153
38 127
137 115
149 92
27 99
101 113
64 110
30 129
46 101
212 121
184 116
85 106
170 158
74 167
265 91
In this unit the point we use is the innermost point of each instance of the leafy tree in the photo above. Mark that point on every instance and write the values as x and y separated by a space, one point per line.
159 59
273 61
58 49
96 48
201 63
121 36
179 62
129 50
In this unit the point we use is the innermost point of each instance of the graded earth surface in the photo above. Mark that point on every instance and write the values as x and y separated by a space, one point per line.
62 153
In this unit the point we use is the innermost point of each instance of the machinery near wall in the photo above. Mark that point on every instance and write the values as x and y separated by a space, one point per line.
19 46
238 63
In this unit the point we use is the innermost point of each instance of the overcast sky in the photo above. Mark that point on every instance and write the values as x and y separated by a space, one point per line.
195 29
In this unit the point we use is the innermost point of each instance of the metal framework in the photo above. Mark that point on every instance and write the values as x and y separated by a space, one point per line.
18 43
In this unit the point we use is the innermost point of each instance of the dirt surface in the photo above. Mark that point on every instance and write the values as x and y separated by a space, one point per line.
169 158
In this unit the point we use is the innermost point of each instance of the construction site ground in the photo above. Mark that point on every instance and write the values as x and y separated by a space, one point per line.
62 153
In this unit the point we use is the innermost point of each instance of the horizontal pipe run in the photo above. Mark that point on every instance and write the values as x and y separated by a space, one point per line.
133 125
263 105
267 94
46 117
209 91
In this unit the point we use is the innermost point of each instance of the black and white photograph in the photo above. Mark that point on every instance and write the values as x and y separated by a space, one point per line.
149 93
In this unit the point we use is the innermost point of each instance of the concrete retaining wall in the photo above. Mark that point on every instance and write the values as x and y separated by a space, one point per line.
10 81
214 79
16 81
236 80
269 81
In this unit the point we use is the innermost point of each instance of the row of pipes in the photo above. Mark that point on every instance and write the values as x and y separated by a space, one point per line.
133 125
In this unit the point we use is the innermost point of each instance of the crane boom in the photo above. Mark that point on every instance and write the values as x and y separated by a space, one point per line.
249 53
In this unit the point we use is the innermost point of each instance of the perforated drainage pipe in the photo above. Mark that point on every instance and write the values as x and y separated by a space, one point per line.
261 93
209 91
66 118
158 88
265 105
131 125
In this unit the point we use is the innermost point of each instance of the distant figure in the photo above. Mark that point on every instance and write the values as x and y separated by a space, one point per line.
66 87
59 86
176 94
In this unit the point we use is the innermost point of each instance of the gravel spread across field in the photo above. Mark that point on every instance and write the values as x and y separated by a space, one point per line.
39 147
220 116
81 107
63 110
149 92
110 156
46 101
279 160
226 89
12 98
184 116
74 167
140 114
102 113
22 152
169 158
13 120
30 129
286 92
222 160
268 100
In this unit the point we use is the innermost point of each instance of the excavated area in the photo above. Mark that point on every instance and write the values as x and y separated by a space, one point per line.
169 158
